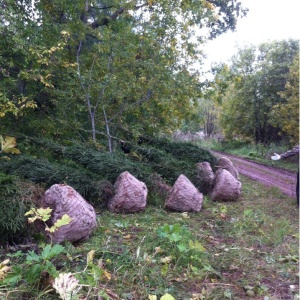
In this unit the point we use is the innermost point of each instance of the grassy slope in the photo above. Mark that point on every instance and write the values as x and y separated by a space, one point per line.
236 250
251 250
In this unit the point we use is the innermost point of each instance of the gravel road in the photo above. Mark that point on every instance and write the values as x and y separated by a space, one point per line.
267 175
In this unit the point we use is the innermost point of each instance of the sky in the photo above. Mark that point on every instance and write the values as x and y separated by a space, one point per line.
267 20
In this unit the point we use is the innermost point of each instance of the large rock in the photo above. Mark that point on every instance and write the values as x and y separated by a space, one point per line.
184 196
130 195
226 187
63 199
205 177
225 163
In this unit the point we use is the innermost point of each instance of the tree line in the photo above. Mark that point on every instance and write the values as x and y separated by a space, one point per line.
256 96
94 70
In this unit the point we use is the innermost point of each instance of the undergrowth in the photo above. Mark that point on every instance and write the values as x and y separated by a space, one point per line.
15 198
92 172
235 250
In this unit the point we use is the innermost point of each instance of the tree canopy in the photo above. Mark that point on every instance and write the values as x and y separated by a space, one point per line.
258 93
91 68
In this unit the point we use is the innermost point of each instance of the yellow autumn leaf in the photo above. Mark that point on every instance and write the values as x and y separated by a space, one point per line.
64 220
167 297
166 259
4 269
43 214
52 50
152 297
185 215
151 2
107 275
158 250
90 256
8 145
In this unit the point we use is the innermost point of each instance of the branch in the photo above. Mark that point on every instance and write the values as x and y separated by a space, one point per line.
107 19
143 99
114 16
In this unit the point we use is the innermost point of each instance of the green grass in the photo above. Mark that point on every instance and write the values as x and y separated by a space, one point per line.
235 250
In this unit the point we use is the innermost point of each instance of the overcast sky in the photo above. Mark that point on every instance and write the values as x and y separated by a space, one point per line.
267 20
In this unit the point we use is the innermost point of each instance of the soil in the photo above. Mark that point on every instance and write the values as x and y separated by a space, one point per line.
268 175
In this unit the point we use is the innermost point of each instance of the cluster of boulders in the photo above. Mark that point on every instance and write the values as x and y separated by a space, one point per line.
131 197
223 185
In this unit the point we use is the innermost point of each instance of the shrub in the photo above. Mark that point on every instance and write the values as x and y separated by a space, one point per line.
15 198
92 172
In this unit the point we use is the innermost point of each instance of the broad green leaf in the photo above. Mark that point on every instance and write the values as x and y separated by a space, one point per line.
32 256
14 276
34 273
228 294
181 247
52 251
197 246
175 237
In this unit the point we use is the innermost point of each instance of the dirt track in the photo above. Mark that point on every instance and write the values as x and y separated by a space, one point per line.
267 175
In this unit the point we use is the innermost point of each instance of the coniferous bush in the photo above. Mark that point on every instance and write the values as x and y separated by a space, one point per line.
91 186
183 151
15 199
92 172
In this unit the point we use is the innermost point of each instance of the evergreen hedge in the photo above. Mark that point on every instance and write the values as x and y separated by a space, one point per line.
15 199
92 172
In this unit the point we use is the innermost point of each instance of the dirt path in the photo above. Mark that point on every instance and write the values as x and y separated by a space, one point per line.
267 175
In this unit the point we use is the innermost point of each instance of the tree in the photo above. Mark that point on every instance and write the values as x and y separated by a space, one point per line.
259 75
123 63
286 114
14 47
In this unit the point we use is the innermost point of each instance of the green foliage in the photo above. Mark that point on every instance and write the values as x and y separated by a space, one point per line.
92 173
126 257
44 214
188 152
286 114
34 266
12 207
91 186
37 267
94 70
250 220
258 76
181 247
